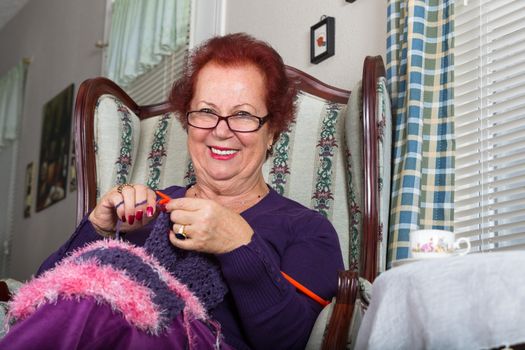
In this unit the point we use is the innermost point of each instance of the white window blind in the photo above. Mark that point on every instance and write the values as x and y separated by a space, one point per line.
155 85
490 123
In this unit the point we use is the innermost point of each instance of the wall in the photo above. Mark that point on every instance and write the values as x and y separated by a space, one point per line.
59 36
360 30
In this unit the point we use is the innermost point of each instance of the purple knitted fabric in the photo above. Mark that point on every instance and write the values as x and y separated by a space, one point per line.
200 272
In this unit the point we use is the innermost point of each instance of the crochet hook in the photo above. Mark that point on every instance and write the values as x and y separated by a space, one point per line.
165 198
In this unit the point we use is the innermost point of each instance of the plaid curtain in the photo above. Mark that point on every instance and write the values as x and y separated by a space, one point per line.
420 72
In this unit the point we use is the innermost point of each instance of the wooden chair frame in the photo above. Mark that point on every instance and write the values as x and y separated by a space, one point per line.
348 284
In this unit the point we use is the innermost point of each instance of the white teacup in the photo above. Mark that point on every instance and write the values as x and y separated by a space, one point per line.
436 244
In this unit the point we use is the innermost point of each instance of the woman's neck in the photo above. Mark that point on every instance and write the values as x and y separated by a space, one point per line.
236 200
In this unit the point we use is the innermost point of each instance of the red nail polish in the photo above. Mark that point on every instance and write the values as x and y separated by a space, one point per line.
138 215
131 219
123 218
149 212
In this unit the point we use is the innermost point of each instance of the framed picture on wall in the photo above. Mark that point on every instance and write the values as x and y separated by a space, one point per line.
322 37
54 149
28 199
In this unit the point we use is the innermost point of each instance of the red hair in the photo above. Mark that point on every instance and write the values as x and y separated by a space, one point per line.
236 50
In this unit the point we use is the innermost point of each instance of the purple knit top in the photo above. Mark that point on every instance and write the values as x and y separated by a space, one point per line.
260 310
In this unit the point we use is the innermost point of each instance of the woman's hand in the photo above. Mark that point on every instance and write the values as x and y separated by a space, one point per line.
133 204
209 227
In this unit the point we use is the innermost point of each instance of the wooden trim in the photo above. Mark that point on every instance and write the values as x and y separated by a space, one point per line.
373 69
311 85
336 336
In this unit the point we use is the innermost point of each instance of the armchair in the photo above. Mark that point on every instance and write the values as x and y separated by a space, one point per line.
119 141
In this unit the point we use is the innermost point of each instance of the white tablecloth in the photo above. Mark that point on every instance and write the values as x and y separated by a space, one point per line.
470 302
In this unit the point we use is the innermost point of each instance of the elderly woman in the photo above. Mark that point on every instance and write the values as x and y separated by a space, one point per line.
234 100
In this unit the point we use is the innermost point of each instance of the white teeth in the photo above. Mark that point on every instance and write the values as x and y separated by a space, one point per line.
223 152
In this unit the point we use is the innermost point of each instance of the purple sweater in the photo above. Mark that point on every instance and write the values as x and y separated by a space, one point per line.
262 310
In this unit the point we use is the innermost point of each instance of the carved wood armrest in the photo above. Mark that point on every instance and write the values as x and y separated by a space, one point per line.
336 335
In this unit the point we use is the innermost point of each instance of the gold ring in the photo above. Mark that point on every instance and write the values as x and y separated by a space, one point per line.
180 233
121 186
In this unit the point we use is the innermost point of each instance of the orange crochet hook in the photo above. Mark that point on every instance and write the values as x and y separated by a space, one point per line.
165 198
305 290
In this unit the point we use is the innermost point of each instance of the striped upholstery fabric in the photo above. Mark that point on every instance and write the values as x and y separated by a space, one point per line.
137 151
354 144
309 162
420 77
384 127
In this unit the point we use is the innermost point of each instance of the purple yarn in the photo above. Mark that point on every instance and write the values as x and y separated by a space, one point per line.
142 272
200 272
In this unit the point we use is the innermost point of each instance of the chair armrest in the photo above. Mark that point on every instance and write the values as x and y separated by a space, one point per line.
336 336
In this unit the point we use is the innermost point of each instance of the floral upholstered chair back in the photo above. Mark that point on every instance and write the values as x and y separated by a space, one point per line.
150 151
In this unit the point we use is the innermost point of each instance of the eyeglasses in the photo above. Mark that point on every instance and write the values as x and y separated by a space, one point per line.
238 122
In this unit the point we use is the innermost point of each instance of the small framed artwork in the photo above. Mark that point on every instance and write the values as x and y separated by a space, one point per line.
28 200
322 40
54 149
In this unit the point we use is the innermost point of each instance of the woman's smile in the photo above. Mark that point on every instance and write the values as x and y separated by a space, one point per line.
222 153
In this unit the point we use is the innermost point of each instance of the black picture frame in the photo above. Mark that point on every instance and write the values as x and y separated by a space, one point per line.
54 149
322 40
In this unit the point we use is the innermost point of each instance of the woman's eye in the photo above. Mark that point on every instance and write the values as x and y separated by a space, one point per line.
242 114
205 110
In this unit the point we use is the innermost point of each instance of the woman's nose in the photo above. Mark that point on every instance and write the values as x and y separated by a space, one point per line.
222 129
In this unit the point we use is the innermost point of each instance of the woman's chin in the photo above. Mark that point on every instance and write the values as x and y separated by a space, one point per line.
221 175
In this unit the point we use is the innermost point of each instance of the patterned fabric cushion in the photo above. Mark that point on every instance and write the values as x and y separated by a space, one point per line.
117 133
309 162
384 123
136 151
354 143
162 158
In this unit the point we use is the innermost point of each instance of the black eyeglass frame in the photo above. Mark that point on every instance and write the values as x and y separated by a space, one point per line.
262 120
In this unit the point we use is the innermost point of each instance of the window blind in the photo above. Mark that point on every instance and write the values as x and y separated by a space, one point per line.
155 85
490 123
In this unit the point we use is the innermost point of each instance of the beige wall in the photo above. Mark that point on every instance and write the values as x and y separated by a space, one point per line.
360 30
59 36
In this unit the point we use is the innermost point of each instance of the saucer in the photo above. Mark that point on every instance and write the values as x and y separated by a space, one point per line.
406 261
411 260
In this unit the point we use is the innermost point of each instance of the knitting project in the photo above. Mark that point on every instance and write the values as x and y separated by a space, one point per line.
160 282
